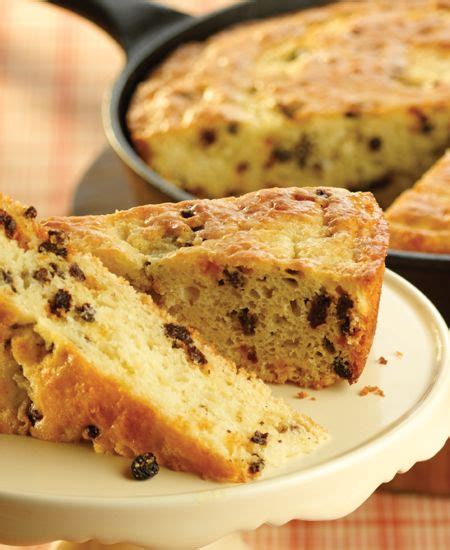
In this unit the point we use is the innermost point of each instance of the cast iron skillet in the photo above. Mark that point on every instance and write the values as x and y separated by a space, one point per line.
148 32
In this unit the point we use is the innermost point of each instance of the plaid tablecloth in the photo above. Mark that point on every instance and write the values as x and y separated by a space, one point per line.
54 69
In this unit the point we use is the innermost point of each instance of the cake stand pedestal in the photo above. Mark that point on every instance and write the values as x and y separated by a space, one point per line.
54 492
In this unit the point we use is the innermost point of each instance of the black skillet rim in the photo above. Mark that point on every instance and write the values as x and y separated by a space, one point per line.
422 260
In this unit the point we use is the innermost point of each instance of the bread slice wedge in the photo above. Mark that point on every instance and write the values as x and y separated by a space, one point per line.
419 218
100 361
285 282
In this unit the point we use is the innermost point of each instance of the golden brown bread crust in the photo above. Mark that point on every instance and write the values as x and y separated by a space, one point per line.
346 231
71 395
329 237
341 72
359 353
419 219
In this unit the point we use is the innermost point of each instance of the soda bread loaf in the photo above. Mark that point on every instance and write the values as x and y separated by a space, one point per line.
285 282
420 218
100 361
353 94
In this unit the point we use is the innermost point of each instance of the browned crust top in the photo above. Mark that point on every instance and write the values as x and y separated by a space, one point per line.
328 230
420 218
348 57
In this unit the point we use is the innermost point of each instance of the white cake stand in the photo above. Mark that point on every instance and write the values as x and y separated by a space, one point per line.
66 492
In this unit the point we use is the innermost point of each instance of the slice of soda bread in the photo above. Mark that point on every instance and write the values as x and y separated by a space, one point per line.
285 282
419 219
100 361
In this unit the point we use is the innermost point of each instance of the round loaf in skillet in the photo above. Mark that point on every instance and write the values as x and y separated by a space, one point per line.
354 94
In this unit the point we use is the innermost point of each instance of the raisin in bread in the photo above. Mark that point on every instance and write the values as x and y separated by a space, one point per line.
285 282
100 361
420 218
354 94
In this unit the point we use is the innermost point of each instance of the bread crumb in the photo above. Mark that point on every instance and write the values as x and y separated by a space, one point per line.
312 399
371 389
382 360
302 395
398 354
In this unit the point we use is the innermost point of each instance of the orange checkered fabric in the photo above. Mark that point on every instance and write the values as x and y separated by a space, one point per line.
54 70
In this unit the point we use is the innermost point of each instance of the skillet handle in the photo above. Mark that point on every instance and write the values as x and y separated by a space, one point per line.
127 21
